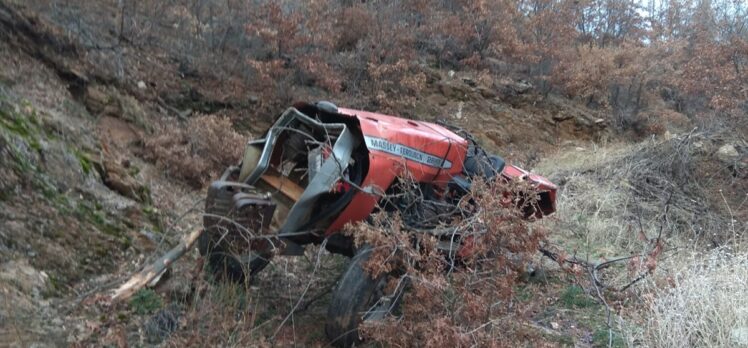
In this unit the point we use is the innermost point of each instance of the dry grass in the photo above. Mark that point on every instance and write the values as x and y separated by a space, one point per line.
703 303
225 315
597 210
283 306
617 198
196 152
609 195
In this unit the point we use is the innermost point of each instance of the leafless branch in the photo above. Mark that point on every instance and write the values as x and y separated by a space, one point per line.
306 289
150 272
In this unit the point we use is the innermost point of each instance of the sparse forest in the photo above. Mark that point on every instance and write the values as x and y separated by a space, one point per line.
628 58
116 115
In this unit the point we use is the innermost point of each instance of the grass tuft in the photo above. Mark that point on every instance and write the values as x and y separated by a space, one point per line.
702 303
575 297
146 301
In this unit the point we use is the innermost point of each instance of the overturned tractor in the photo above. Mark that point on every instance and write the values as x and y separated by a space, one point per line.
320 167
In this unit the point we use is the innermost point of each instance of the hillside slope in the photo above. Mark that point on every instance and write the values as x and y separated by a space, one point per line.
102 167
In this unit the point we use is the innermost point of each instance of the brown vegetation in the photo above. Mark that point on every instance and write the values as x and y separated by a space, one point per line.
454 301
189 76
634 60
196 152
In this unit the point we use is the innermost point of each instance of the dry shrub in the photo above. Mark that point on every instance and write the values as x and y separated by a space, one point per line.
705 303
397 84
195 152
586 74
643 124
672 120
351 27
600 51
715 73
462 302
225 315
609 194
317 73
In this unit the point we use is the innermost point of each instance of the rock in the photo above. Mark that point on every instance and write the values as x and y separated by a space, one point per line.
522 87
117 178
487 93
432 76
582 121
98 101
25 278
445 89
64 168
458 115
562 117
116 132
508 89
106 101
452 91
728 153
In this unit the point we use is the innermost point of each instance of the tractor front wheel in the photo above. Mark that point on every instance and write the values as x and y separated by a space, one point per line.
227 265
358 298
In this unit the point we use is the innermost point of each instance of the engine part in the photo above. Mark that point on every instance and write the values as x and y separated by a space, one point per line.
235 221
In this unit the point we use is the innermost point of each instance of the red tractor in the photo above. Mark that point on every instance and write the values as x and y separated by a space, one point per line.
320 167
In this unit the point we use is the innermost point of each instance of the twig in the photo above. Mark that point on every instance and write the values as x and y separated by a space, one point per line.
315 298
636 280
589 266
595 282
306 289
171 226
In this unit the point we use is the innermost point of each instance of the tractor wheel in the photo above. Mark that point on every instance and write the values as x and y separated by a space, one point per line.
358 298
225 265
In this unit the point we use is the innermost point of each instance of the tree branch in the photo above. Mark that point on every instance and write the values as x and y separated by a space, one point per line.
150 272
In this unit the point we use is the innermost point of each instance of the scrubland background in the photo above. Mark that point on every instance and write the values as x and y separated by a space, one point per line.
114 115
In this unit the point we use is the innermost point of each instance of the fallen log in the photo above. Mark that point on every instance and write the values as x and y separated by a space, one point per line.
152 271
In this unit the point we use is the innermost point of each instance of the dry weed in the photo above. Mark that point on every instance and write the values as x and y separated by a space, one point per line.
702 303
195 152
455 301
609 195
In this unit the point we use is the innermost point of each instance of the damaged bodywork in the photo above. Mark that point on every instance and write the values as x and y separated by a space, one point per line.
320 167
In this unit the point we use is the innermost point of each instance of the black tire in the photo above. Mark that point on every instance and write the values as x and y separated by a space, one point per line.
355 294
487 166
224 265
